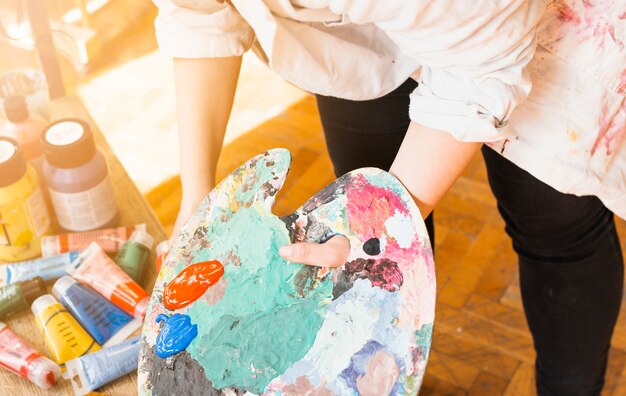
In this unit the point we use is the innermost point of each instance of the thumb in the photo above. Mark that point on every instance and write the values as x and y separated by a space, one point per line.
332 253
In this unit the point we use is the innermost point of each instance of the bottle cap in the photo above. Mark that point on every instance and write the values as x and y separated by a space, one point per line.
31 289
12 162
15 108
50 246
68 143
43 372
142 238
61 285
42 302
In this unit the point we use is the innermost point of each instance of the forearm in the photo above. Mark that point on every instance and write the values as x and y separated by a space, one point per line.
205 89
429 162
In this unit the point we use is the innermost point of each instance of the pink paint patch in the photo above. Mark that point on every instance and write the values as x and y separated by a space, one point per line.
622 16
369 207
612 129
567 13
595 18
621 83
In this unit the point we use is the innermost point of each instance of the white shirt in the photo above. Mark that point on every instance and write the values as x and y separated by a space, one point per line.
474 61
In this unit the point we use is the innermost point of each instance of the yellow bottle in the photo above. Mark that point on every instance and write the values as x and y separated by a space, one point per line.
24 217
64 337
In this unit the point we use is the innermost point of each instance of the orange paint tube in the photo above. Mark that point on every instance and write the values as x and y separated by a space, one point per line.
110 239
94 268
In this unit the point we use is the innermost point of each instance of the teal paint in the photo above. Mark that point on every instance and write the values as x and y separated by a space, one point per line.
258 306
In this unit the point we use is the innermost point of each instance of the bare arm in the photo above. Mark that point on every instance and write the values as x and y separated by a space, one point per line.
429 162
205 89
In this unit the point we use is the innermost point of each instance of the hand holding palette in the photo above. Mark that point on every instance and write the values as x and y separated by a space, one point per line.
229 316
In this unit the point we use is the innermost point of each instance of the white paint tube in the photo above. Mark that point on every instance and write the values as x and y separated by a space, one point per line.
48 268
89 372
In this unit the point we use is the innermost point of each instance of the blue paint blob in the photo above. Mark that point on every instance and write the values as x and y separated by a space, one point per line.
175 335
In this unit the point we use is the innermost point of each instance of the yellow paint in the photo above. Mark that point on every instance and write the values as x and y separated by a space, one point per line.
572 135
24 218
64 336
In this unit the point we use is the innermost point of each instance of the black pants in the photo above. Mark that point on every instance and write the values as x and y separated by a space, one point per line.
570 261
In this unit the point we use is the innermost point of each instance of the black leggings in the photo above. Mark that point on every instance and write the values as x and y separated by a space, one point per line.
570 260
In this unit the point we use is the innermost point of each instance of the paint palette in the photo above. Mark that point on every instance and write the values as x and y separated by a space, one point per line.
249 322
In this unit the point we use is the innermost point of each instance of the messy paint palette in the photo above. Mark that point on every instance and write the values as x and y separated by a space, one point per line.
229 316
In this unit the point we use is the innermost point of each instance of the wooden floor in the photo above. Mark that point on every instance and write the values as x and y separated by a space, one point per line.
481 344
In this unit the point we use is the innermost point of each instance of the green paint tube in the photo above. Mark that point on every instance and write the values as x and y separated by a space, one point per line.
135 254
19 295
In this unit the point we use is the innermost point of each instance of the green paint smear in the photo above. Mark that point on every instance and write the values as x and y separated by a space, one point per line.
263 324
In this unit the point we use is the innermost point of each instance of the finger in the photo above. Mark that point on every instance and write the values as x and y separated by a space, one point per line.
333 253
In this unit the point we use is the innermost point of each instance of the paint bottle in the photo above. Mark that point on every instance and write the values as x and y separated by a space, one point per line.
25 128
47 268
94 268
17 356
77 175
64 337
162 249
23 214
111 240
134 255
105 322
18 296
99 368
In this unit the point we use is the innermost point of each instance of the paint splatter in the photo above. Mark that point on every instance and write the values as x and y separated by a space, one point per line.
567 13
612 129
176 334
191 283
621 83
595 19
383 273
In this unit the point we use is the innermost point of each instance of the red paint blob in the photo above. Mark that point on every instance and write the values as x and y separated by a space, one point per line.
191 283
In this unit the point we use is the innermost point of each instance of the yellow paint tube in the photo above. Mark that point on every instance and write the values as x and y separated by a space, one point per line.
64 337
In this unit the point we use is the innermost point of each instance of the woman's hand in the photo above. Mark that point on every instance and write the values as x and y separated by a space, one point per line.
188 205
333 253
427 164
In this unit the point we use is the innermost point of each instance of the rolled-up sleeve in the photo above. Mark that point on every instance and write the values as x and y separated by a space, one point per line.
475 107
473 58
201 29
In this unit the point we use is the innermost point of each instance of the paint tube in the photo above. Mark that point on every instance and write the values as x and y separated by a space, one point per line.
100 368
103 320
94 268
64 337
134 255
22 359
18 296
110 239
162 249
48 268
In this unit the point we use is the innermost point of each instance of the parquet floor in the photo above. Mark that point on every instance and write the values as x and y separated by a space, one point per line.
481 344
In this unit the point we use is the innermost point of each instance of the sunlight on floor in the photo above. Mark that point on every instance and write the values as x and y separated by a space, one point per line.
135 107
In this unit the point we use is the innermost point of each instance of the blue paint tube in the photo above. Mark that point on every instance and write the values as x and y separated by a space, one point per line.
99 368
48 269
104 321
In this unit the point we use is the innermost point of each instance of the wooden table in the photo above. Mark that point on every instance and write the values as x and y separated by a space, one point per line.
133 209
